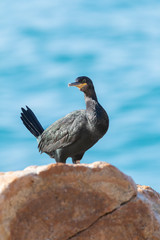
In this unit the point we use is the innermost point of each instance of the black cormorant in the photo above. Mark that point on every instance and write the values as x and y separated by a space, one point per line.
72 135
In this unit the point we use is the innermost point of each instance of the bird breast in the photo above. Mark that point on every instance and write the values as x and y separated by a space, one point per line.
98 122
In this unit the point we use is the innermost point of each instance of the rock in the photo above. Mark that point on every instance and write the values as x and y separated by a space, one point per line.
136 220
62 202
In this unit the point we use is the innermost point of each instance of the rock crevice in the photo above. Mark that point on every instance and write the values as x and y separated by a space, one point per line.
97 220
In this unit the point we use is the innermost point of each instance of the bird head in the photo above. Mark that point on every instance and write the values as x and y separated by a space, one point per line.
83 83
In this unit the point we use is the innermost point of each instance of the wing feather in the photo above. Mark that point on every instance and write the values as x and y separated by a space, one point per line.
63 132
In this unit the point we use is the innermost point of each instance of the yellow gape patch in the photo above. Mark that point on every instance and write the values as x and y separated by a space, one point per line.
81 85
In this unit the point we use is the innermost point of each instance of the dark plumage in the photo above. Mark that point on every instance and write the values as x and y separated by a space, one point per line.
74 134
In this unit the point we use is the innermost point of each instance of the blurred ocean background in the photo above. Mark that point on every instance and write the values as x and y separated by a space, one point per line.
46 44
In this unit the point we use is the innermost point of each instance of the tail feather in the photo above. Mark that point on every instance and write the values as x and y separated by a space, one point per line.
29 125
31 122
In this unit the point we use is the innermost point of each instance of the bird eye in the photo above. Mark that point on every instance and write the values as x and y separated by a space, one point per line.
84 80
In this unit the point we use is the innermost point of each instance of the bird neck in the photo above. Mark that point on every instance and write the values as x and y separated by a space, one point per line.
91 100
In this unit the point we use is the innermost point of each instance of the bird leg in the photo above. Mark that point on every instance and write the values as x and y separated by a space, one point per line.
77 158
59 157
76 161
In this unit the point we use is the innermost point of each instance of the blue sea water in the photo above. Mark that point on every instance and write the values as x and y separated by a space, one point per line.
44 45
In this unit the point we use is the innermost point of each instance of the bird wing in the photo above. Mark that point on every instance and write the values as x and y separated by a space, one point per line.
63 132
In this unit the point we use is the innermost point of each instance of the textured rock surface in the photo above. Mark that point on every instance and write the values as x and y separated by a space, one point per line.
136 220
60 202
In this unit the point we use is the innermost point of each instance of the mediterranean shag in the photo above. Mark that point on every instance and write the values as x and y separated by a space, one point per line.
72 135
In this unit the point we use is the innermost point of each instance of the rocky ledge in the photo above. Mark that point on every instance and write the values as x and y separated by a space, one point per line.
77 202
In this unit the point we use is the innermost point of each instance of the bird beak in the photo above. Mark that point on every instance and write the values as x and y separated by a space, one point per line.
77 84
